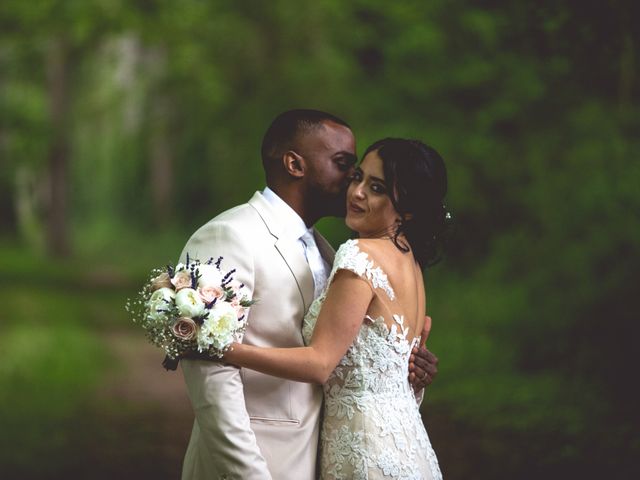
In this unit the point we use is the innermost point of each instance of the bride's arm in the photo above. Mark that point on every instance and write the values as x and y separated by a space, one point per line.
340 319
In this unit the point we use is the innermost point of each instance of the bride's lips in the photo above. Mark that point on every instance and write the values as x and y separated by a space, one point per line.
355 208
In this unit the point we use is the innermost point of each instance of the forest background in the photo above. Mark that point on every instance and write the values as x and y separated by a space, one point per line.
124 125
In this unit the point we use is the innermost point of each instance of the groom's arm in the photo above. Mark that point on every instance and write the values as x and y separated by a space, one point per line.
216 390
225 436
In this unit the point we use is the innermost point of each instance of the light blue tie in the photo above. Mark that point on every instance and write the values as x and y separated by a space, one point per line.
316 264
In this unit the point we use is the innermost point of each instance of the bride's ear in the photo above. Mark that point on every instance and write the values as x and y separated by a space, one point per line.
293 164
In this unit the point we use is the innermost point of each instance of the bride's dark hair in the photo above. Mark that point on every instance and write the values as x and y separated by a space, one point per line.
417 183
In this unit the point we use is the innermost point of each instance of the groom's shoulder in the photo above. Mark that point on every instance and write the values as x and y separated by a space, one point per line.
237 214
248 211
240 218
234 218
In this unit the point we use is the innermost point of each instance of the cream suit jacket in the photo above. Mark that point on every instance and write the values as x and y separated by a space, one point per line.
249 425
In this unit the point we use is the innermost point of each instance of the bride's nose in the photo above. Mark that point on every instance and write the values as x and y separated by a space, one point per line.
358 191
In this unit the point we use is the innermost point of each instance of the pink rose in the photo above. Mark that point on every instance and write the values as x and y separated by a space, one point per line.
161 281
181 280
235 303
185 328
210 293
236 286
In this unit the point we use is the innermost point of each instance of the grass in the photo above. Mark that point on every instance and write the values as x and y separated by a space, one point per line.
46 374
51 355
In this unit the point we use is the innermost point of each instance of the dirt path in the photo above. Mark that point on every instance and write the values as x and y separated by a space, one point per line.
140 418
139 376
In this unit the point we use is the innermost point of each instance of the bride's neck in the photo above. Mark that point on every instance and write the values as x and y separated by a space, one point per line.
386 233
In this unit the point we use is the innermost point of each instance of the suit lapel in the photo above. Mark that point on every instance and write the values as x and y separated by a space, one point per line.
292 255
288 249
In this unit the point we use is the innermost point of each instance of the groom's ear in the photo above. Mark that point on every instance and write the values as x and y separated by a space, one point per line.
293 164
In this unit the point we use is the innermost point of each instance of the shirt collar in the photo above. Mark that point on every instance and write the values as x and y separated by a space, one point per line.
292 225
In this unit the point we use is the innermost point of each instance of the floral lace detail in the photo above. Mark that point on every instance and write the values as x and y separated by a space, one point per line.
350 257
372 425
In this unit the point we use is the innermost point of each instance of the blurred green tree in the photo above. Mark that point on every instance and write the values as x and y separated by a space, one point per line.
146 116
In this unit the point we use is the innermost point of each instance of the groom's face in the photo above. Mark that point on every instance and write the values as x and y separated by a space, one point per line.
330 156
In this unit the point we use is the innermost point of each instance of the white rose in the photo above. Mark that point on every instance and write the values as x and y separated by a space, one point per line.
210 276
163 295
219 327
189 303
159 302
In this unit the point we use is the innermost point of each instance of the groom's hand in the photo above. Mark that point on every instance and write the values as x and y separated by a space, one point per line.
423 365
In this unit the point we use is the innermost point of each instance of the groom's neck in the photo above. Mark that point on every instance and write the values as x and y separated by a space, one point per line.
298 200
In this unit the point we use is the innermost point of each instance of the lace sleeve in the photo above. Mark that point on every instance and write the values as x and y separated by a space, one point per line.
350 257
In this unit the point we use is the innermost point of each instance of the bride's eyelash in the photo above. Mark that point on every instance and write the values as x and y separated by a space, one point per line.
378 188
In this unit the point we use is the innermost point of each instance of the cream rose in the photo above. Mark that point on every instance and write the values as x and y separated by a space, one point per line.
189 303
161 281
181 280
185 329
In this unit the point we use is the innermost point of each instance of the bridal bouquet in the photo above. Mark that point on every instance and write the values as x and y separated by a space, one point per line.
192 307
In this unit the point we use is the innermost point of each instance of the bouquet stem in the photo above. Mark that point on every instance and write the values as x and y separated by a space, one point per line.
170 363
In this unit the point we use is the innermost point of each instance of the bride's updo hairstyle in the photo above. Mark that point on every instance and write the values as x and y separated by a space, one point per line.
416 179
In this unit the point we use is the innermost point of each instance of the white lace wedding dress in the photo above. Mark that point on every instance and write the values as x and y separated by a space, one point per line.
372 426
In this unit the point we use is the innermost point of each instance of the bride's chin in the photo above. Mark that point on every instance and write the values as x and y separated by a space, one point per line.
349 222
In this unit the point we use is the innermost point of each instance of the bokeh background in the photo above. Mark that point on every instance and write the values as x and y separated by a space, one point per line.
126 124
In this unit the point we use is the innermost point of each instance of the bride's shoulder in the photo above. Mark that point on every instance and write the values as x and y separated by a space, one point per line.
348 250
357 247
373 248
360 257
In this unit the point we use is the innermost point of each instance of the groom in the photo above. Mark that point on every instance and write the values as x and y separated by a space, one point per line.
249 425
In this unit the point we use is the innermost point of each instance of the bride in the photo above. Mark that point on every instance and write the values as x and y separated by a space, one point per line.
360 331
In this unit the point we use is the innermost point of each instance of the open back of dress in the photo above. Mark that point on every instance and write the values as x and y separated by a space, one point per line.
372 426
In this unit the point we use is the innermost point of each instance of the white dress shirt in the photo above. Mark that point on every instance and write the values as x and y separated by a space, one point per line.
294 229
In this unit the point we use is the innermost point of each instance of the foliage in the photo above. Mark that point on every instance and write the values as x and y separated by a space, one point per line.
532 104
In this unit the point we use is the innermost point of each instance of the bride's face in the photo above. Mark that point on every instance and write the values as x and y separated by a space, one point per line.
369 208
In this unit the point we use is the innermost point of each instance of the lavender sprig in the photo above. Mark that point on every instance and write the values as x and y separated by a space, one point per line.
228 278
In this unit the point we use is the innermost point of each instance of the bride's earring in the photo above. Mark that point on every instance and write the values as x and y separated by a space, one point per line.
398 226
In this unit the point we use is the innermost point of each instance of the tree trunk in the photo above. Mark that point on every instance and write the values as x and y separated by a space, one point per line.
161 161
57 65
28 195
161 165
